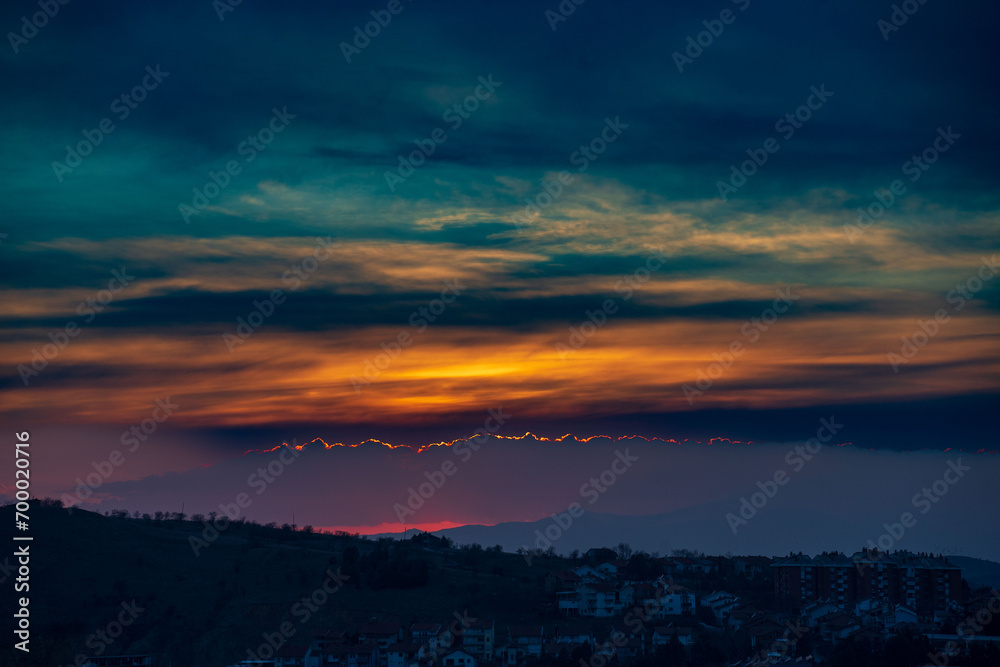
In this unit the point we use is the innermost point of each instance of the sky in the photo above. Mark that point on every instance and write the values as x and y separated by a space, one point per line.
236 226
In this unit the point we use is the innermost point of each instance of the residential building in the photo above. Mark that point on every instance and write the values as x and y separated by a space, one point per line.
478 639
923 583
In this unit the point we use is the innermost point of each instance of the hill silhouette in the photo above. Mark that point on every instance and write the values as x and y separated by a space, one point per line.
210 608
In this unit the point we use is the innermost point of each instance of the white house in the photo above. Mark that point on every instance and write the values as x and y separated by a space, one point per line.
674 599
721 603
458 658
901 614
598 599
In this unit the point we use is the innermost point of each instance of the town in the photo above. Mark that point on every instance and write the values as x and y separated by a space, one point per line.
649 611
291 596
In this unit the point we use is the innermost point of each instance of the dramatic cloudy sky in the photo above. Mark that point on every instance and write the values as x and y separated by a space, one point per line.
523 279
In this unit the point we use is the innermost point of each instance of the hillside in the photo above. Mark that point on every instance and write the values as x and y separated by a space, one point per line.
210 608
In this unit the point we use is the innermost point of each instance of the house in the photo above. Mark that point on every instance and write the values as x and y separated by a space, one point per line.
811 613
568 602
383 635
626 595
588 571
404 654
687 565
742 614
678 600
350 655
422 633
457 658
478 639
764 630
561 581
837 626
626 641
510 654
664 634
529 638
674 599
613 569
721 604
598 599
900 615
291 655
444 641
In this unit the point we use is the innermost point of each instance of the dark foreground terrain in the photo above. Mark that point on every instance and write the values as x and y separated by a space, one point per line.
187 595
